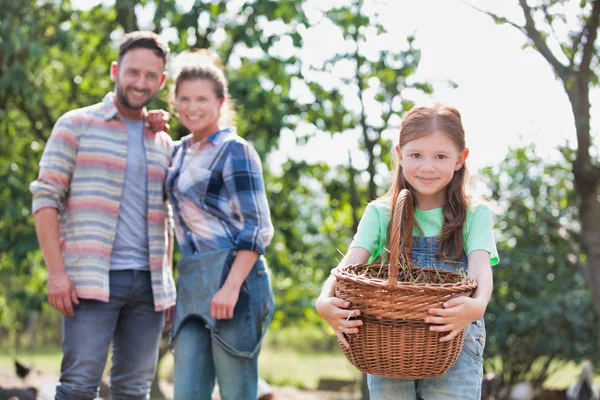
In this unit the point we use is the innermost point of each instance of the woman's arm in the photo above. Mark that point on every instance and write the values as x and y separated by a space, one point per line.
334 310
224 301
242 176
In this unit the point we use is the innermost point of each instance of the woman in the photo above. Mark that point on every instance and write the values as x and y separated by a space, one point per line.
215 185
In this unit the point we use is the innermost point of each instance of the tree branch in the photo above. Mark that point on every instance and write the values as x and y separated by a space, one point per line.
591 33
498 19
539 42
574 47
549 20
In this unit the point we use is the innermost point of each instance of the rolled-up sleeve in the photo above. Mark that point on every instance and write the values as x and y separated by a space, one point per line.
51 187
242 175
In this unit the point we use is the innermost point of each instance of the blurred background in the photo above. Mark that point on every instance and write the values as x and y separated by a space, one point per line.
320 88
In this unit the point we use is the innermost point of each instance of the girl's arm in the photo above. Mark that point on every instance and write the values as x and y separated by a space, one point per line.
335 311
461 311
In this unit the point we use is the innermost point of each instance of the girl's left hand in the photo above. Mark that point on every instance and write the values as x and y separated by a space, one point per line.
455 316
158 120
223 303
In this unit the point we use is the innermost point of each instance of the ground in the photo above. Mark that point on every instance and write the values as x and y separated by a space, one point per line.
45 382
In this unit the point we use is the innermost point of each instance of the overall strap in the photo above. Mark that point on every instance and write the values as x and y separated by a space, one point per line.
190 239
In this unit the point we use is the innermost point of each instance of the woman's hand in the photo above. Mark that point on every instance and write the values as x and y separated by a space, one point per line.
158 120
455 316
223 302
335 311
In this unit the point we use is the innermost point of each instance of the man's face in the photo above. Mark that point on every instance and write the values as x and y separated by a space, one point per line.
138 77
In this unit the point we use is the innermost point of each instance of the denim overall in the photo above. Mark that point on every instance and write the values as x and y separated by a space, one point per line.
463 380
206 348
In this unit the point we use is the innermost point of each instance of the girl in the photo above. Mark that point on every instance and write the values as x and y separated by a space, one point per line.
224 297
449 234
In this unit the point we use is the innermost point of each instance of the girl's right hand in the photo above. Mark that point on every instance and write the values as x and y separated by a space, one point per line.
335 312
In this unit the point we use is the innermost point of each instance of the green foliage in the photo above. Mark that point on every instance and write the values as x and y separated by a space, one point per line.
55 58
541 311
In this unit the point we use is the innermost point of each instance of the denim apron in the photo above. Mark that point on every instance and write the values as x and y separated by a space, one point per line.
201 275
463 380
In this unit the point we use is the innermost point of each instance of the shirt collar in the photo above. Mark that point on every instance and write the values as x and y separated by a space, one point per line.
215 139
108 109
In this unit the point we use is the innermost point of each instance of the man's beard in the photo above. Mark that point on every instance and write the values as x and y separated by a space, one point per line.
122 97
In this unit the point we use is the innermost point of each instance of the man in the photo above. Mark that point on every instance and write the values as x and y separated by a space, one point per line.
100 219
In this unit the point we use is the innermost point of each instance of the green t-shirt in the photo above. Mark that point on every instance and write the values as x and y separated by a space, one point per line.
372 230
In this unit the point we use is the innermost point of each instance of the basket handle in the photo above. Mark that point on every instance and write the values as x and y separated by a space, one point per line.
400 242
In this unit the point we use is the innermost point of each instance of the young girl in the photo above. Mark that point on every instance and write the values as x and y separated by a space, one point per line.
449 234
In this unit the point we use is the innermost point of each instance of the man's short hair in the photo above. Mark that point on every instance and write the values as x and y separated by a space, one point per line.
143 40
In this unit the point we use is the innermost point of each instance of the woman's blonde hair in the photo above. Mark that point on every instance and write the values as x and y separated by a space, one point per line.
205 65
422 121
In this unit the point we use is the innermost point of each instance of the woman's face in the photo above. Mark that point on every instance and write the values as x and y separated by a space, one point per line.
198 106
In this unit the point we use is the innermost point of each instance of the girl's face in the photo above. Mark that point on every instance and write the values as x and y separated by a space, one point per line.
428 164
198 106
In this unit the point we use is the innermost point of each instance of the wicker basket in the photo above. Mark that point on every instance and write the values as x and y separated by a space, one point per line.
394 341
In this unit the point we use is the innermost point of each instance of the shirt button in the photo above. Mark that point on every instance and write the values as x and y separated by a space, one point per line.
479 322
482 341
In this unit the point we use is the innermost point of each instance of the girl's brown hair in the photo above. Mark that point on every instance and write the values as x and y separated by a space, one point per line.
421 121
202 64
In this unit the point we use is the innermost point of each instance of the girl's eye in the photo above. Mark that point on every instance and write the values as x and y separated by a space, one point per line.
441 157
416 155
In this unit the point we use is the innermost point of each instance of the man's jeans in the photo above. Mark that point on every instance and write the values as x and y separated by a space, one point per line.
130 322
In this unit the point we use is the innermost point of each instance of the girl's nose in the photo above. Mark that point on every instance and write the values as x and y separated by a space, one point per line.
426 166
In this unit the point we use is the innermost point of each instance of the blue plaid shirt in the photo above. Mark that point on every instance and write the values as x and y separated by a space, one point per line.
220 194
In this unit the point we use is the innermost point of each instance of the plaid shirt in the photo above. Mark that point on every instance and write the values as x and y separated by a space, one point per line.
221 194
81 175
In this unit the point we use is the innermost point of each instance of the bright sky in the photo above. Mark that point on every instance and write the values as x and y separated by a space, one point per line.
507 96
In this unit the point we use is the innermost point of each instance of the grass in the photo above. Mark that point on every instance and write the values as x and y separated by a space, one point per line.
283 367
279 366
303 369
44 360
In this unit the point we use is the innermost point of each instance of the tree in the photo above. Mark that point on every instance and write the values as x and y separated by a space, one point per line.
575 63
539 316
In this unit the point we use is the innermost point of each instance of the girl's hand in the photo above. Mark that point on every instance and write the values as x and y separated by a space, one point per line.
455 316
335 312
223 302
157 120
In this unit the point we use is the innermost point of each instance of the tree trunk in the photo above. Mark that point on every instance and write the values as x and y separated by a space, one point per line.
353 193
33 318
586 185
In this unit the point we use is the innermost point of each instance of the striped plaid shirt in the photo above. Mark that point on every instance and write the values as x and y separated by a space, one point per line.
81 175
224 206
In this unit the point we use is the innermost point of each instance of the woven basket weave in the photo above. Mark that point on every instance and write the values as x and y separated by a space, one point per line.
394 341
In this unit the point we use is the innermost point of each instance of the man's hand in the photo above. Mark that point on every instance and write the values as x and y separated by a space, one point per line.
335 312
62 293
169 314
158 120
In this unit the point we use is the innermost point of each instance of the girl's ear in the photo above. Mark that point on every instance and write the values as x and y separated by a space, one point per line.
399 152
462 157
